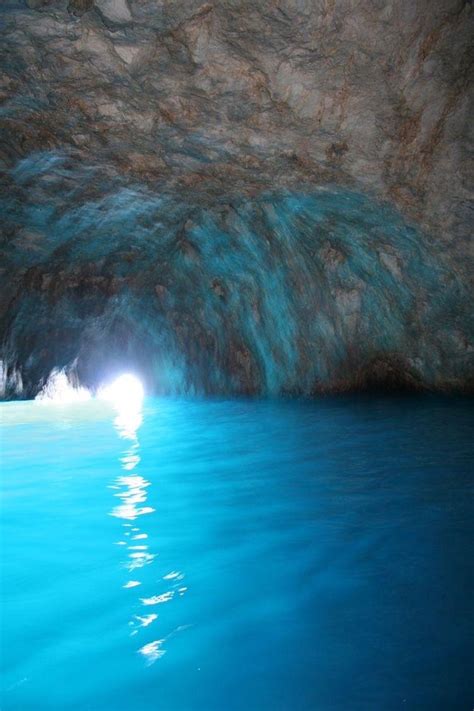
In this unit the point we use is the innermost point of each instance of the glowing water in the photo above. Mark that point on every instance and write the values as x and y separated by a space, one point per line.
236 555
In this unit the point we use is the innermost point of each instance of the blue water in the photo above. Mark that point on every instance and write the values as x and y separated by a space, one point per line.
237 555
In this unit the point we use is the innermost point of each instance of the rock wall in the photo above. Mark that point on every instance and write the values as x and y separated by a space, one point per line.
252 197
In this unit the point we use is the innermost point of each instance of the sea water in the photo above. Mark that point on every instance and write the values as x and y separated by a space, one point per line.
237 555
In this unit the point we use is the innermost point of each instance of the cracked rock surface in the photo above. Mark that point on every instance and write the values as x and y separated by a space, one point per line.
237 196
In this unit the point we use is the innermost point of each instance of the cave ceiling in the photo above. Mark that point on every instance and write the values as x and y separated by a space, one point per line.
129 121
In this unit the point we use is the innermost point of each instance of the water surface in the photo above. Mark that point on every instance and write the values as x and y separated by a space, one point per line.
237 555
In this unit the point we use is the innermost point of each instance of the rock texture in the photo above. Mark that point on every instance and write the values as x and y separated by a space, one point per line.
237 196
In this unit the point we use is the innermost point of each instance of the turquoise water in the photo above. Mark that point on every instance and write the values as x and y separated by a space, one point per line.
233 555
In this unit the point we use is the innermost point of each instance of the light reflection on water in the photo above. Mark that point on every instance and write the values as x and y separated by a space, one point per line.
236 555
132 491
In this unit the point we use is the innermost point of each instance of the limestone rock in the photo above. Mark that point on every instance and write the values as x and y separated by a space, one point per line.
141 140
79 7
116 11
37 4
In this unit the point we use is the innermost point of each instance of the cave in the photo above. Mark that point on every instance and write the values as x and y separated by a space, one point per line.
236 257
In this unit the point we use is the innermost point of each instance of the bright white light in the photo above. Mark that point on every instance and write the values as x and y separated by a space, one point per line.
59 389
125 392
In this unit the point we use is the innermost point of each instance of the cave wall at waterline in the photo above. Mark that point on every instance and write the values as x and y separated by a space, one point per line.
289 292
236 197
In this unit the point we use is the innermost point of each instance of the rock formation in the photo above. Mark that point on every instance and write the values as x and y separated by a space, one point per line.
237 196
